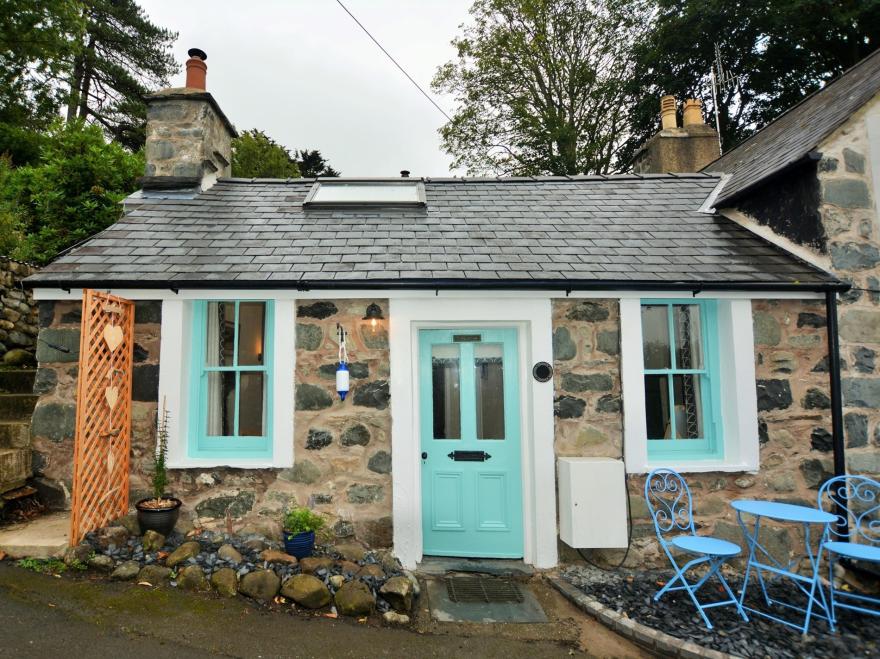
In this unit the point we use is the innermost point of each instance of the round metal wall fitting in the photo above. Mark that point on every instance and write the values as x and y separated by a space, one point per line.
542 372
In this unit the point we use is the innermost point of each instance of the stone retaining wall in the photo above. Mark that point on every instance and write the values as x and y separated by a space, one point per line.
342 449
18 312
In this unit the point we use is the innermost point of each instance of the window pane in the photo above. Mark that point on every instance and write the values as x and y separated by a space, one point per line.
655 336
688 406
221 403
445 391
251 328
688 336
251 405
367 193
489 383
657 406
220 334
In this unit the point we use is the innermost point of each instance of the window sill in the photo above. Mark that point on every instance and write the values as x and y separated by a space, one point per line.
238 463
696 467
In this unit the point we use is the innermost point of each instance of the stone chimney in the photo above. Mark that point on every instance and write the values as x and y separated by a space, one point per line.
676 148
188 136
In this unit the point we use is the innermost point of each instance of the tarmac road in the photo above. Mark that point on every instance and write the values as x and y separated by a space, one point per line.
45 616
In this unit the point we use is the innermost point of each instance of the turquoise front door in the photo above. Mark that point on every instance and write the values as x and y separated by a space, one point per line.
470 442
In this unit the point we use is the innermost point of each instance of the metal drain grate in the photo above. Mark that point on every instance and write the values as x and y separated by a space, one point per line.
487 590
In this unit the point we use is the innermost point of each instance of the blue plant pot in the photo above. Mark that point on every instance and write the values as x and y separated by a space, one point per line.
299 544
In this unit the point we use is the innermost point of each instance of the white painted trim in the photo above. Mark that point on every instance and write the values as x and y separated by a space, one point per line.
739 413
872 125
632 386
804 253
474 293
532 317
708 206
174 374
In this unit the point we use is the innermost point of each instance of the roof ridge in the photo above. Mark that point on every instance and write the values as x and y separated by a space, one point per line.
672 176
792 108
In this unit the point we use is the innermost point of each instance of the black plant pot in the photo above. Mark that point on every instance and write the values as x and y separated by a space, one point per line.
160 520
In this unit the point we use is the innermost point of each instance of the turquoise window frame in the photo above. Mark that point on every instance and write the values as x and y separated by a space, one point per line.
200 444
710 447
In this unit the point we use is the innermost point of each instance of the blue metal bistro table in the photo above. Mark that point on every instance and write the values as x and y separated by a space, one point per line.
761 561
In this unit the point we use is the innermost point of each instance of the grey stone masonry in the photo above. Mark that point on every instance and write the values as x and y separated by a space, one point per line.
188 136
18 312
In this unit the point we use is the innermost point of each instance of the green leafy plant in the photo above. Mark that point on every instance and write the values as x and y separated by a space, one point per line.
303 520
78 565
160 472
42 565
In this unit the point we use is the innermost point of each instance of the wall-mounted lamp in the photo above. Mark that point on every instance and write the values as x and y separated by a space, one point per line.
374 314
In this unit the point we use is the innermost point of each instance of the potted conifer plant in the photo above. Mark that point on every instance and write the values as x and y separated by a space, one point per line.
298 529
159 512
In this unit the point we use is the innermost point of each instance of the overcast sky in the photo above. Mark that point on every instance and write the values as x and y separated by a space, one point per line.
305 73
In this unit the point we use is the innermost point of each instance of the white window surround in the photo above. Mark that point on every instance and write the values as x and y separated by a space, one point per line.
174 385
738 393
532 317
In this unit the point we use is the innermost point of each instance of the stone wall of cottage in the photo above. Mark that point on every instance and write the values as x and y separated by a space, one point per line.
342 449
794 417
18 312
851 217
54 421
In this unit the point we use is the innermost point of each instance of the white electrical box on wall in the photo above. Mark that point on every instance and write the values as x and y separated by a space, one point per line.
592 503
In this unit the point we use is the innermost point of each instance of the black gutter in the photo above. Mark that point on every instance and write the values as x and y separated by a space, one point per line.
567 285
836 411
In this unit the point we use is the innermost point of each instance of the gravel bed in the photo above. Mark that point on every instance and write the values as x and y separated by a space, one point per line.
632 593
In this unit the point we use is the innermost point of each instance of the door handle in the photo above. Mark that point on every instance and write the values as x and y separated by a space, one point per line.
424 455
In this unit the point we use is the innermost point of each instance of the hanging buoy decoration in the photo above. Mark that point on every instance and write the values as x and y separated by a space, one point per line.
342 374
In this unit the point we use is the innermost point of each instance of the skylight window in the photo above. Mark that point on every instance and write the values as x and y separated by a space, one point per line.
366 193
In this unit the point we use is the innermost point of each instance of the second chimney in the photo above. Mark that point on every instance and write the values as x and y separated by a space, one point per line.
675 148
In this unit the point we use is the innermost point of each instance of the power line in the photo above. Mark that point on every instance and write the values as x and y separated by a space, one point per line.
387 54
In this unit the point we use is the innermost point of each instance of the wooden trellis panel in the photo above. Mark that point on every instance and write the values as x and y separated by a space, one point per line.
103 413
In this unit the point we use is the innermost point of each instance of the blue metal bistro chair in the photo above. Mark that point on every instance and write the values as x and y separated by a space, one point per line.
671 507
859 540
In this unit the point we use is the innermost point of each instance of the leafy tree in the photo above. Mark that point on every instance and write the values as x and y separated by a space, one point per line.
256 155
35 44
73 193
540 86
119 56
312 163
781 50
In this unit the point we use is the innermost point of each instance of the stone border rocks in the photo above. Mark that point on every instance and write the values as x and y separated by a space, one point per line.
646 637
345 579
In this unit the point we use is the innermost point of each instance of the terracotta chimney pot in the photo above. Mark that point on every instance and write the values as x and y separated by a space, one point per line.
196 69
693 112
667 113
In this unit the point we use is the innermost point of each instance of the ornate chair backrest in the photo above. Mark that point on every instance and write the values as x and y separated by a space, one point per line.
861 496
669 501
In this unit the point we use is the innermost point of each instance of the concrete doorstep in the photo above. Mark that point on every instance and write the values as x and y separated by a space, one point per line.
43 537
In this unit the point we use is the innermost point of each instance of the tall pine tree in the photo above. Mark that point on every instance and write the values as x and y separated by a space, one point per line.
120 56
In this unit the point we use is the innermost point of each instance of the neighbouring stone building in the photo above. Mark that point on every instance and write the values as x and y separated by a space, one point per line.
685 318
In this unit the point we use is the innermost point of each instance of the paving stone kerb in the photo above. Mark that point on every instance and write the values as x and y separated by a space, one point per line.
651 639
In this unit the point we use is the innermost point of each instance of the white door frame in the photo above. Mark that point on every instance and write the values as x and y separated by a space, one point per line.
532 318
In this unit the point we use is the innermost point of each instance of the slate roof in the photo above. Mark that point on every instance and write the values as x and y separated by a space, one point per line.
578 232
799 131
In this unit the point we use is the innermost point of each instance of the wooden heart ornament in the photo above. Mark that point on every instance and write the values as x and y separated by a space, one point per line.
111 394
113 336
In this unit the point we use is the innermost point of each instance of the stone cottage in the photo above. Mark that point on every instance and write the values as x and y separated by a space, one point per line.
496 327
